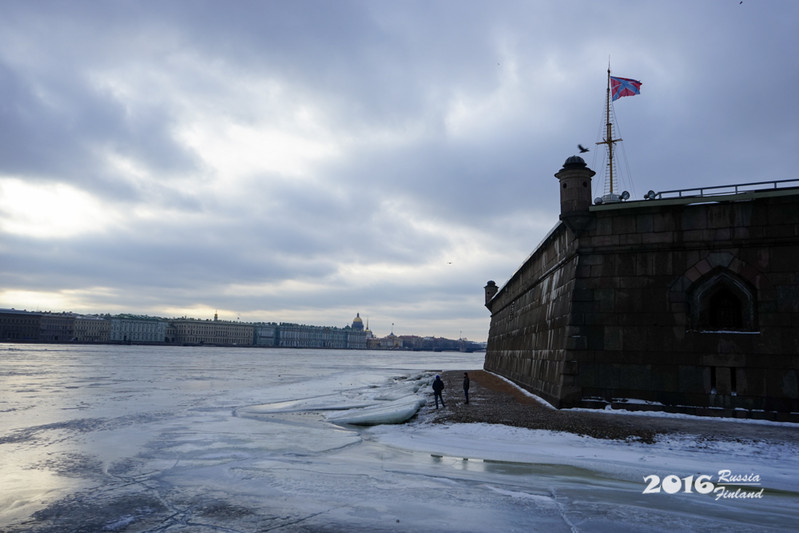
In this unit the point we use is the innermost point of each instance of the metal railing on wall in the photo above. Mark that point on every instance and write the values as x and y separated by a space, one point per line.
722 190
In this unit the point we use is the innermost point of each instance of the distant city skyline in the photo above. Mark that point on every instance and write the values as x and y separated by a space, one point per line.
217 318
22 326
221 317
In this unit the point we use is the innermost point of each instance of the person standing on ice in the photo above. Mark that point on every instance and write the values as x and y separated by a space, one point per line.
438 386
466 386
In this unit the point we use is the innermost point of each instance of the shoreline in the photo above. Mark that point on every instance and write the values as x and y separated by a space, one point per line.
494 400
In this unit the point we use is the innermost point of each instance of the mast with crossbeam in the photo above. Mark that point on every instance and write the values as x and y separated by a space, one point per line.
617 88
609 140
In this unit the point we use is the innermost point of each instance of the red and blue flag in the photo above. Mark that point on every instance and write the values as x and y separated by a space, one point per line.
624 87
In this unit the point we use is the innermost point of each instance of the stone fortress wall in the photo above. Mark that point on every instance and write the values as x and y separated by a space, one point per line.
688 304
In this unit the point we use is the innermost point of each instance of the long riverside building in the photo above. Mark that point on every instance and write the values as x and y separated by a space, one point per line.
24 326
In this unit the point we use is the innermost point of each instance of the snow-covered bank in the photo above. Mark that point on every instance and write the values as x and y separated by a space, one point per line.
777 465
651 413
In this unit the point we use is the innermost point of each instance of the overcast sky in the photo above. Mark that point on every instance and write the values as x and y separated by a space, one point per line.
304 161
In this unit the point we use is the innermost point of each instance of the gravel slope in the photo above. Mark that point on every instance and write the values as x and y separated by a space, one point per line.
495 401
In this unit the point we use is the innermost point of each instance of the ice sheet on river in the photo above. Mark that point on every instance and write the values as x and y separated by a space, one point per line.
210 439
393 403
385 412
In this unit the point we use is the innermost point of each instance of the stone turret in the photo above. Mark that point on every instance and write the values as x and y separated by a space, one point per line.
491 289
575 193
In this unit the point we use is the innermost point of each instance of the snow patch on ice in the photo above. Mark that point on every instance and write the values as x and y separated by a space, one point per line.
539 499
122 523
386 412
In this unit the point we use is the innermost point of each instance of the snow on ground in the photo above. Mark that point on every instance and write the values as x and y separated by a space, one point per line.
777 466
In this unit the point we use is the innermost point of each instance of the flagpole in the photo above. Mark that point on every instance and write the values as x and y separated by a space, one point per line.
617 88
609 140
609 137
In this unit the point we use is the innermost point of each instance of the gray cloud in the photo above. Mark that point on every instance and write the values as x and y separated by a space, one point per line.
309 160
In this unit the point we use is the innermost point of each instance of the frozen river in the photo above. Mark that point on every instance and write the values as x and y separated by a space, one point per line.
129 438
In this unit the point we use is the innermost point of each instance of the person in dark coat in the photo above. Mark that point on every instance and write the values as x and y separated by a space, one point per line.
466 386
438 386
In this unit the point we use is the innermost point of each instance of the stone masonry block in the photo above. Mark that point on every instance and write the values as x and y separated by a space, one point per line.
623 224
661 237
631 239
663 223
644 223
693 274
703 267
696 235
720 259
722 234
605 240
604 226
614 338
695 217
